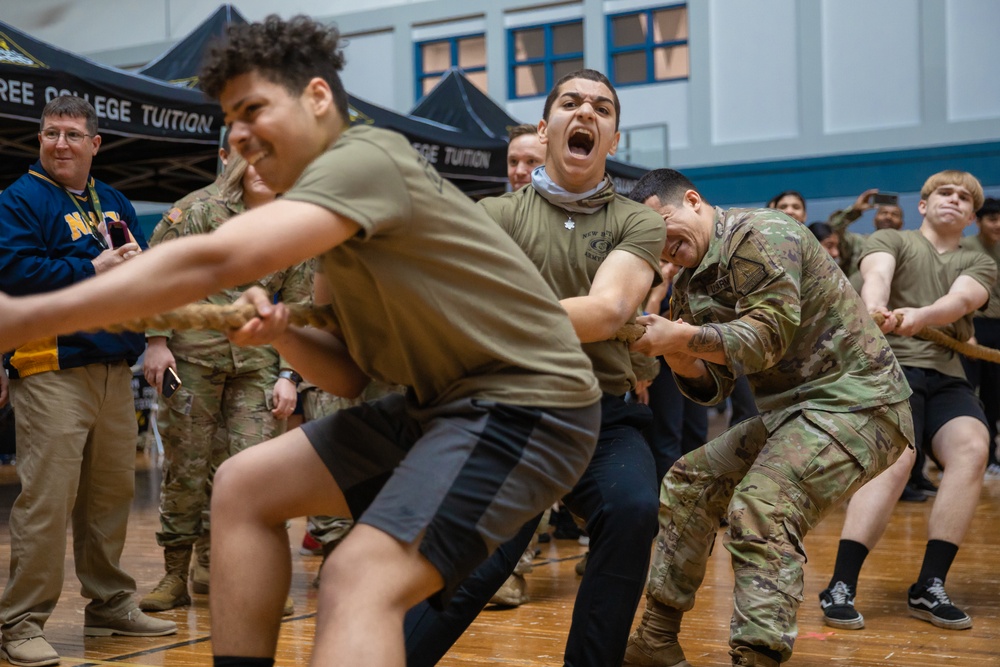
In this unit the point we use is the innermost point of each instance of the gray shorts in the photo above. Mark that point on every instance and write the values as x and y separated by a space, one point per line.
465 475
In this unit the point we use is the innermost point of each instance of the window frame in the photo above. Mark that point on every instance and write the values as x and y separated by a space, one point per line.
418 59
648 47
548 58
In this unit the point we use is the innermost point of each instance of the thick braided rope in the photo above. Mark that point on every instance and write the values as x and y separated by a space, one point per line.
220 318
200 316
940 338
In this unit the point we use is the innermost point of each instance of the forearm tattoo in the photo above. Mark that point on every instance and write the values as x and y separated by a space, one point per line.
707 339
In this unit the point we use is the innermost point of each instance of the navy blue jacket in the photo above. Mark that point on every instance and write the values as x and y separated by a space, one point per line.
46 245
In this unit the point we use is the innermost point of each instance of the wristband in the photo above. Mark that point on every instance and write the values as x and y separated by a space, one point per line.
291 376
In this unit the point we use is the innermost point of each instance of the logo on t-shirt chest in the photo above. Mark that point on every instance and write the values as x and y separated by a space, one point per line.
597 245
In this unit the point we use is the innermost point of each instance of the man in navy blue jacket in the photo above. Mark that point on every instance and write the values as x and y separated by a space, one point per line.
76 428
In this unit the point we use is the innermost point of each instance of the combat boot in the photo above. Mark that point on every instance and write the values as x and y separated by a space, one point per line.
654 642
172 590
199 566
744 656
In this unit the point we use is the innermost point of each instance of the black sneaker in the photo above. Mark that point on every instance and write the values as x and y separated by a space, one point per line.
929 602
912 494
837 604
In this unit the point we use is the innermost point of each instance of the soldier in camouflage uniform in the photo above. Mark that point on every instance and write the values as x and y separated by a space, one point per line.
230 397
758 296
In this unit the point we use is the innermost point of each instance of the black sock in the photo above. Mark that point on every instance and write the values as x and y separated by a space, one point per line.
241 661
937 560
850 557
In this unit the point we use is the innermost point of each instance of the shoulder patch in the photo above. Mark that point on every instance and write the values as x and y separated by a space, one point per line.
749 266
175 215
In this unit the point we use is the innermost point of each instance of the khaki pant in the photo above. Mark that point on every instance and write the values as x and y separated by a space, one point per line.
76 443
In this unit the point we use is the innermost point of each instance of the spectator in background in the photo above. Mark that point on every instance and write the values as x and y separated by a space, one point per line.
76 425
791 203
926 278
887 216
984 374
827 238
524 152
230 397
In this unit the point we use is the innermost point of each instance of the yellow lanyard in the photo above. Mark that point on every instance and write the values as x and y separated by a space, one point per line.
96 203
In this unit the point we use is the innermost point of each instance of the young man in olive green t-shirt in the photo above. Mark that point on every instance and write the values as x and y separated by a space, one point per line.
501 412
924 277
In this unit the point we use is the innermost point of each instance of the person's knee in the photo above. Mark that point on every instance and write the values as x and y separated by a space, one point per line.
630 516
233 491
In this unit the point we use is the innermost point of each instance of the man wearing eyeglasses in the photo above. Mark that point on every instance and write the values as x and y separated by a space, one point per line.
76 427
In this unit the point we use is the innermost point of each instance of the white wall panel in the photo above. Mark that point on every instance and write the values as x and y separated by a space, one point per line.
655 104
360 79
973 60
753 70
871 64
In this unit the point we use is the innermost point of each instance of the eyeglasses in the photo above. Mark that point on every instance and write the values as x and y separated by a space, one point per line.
72 136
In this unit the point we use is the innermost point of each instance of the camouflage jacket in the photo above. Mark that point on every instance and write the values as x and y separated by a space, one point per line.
203 214
851 243
788 318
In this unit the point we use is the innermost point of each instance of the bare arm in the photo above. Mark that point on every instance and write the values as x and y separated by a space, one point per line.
250 245
619 286
677 340
877 270
965 296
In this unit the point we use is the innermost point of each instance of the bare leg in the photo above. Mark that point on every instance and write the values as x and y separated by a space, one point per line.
962 447
871 506
367 586
255 492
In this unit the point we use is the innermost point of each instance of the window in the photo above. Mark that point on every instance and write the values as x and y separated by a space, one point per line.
648 45
540 55
434 58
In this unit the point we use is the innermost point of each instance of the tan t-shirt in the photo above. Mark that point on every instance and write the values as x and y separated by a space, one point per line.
431 294
569 256
922 276
992 309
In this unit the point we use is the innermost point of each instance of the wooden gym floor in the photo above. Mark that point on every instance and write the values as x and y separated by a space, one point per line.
534 633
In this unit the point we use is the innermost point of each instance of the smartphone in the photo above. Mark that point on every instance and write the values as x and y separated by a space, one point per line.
118 232
885 199
170 382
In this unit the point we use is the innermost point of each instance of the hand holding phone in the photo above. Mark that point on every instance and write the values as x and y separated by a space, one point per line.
885 199
170 382
118 231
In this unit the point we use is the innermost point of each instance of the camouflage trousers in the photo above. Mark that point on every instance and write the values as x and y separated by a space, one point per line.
773 487
214 414
317 403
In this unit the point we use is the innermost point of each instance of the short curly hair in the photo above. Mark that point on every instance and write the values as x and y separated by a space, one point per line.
289 53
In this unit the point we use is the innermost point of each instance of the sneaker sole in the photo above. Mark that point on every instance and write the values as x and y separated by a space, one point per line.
845 624
960 624
27 663
90 631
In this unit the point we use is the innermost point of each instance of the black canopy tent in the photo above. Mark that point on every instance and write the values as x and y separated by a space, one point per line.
476 163
457 102
159 140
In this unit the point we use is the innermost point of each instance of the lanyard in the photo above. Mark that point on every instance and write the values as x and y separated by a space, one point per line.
96 203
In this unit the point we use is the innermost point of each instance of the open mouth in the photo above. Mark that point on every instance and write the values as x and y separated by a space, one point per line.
581 143
676 247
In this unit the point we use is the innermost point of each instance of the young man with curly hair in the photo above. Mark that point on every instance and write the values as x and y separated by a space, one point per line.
501 411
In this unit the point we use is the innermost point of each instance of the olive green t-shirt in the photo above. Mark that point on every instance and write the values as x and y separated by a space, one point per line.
430 294
922 276
569 256
975 243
